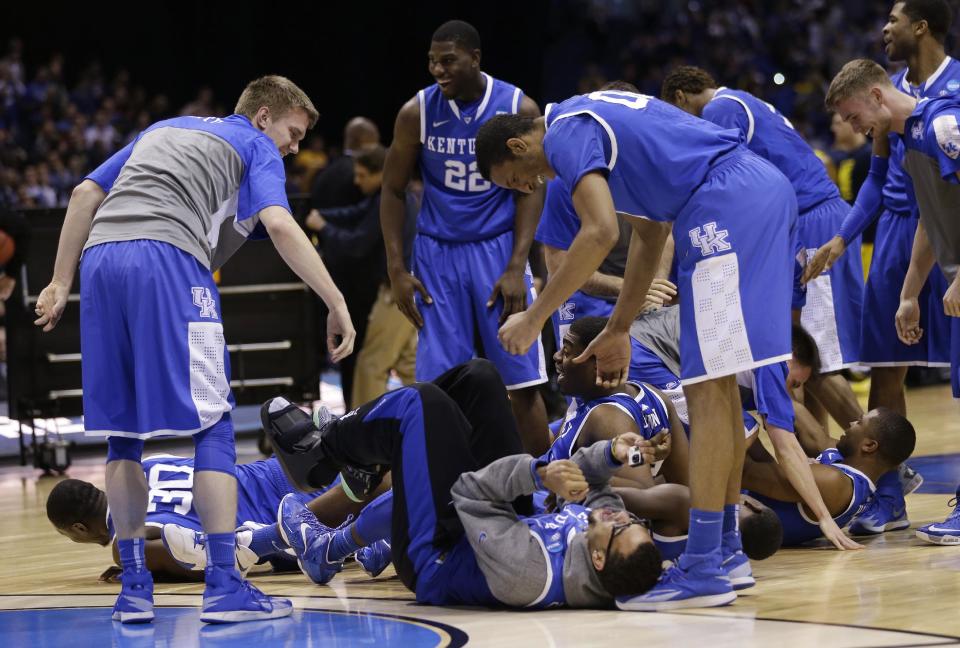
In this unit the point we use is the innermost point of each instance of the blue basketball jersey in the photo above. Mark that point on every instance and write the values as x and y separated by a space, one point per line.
458 203
933 131
770 135
655 156
260 487
946 80
554 531
798 527
647 409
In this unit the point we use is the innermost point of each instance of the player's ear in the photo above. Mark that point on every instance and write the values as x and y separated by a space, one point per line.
517 146
679 98
475 57
598 558
262 119
869 446
79 527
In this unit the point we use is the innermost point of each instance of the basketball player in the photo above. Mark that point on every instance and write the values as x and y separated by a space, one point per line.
470 256
865 97
603 412
174 546
832 309
845 472
915 33
618 151
153 222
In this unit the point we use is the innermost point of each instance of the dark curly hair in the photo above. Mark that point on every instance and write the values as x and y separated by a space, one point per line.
73 500
633 573
690 79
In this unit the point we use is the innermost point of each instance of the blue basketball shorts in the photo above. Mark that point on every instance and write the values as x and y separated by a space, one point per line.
766 393
153 355
834 299
879 344
734 250
460 276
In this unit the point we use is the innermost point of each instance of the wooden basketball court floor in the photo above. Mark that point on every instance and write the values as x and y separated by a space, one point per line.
896 592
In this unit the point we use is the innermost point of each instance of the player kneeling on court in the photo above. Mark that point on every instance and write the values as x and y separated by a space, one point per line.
476 549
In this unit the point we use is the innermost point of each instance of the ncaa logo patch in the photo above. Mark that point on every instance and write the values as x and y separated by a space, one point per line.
953 85
204 301
948 135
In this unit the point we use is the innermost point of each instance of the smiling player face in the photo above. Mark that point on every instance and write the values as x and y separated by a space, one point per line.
287 130
452 67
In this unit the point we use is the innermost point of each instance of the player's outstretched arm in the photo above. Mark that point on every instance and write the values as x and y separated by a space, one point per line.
598 285
865 210
302 258
511 284
793 462
397 171
84 202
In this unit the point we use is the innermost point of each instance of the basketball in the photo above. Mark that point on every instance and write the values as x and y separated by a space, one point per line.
7 248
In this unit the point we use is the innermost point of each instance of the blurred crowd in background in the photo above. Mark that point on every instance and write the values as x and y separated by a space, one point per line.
57 122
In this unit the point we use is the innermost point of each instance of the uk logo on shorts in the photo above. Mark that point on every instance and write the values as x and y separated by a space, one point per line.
567 311
710 240
205 302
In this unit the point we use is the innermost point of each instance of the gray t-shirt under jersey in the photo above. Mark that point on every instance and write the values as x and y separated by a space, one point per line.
197 184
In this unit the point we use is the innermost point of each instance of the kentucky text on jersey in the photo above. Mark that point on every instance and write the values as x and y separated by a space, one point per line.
458 203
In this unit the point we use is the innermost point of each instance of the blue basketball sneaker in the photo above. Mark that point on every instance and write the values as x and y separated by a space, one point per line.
946 532
737 568
228 598
309 539
375 558
693 582
886 511
135 603
910 479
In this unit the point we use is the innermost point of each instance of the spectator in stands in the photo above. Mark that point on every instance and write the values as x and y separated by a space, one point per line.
351 244
334 186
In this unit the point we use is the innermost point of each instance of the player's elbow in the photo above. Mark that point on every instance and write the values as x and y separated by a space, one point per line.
604 232
88 190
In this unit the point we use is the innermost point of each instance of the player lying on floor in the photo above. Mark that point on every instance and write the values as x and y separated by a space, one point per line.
175 545
600 413
475 549
845 473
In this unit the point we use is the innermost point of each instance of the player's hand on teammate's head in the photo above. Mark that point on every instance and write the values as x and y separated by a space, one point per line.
612 351
519 333
564 478
908 321
403 285
50 305
824 259
340 334
512 286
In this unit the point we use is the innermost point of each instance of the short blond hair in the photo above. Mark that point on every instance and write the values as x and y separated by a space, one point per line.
279 94
857 76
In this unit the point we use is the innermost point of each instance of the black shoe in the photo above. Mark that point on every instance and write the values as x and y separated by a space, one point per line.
298 444
359 482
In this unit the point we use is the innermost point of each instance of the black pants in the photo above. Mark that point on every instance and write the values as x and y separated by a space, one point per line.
429 434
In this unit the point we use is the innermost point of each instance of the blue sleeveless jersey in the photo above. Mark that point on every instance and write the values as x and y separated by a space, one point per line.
797 526
260 487
458 203
554 531
647 409
771 135
654 155
945 80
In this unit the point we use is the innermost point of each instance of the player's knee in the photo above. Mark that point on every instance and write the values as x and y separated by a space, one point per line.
124 448
484 373
215 447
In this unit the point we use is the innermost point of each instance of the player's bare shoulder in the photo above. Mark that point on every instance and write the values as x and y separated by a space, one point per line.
407 128
528 107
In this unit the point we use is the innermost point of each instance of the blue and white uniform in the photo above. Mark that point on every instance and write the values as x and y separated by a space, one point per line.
664 165
180 199
465 234
260 487
897 224
833 301
798 527
553 532
932 158
647 409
